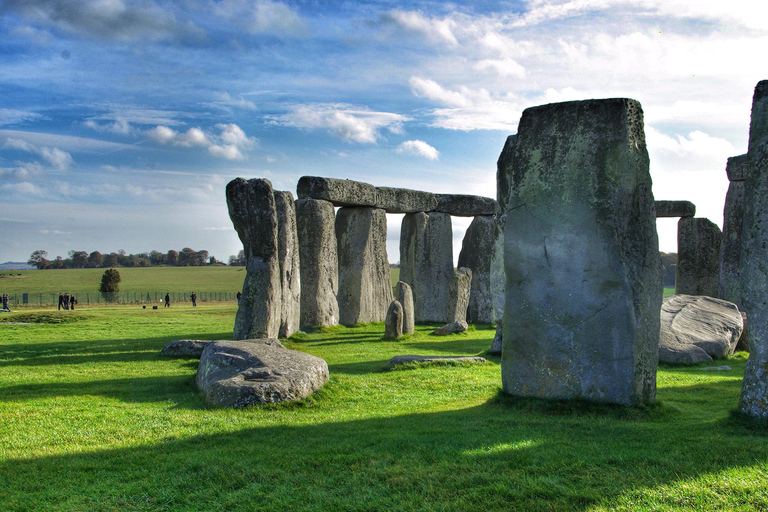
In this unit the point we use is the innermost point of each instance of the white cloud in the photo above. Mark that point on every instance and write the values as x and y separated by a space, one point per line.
419 148
224 99
230 143
262 17
433 29
66 142
57 158
503 67
9 116
120 126
696 151
349 123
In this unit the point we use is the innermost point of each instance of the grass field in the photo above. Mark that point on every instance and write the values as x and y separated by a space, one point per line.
93 418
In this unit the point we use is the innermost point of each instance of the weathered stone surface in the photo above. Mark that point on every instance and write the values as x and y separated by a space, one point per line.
185 348
398 360
241 373
404 296
497 344
476 254
315 226
461 284
462 205
582 263
290 269
504 176
737 168
698 257
698 328
339 192
403 200
675 209
743 344
393 325
452 328
426 262
498 275
251 206
365 288
754 254
729 286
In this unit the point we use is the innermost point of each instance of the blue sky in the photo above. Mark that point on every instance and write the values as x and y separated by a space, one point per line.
122 121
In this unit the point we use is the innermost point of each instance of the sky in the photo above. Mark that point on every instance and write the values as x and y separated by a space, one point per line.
121 121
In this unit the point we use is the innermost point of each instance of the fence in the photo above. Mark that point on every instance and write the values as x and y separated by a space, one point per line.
84 299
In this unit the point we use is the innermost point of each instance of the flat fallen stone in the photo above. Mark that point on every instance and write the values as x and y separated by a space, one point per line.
462 205
452 328
717 368
185 348
675 209
398 360
339 192
259 371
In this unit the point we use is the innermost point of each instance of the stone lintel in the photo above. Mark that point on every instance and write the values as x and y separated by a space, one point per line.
675 209
461 205
736 168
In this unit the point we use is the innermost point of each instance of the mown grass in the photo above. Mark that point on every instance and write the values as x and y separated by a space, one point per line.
93 418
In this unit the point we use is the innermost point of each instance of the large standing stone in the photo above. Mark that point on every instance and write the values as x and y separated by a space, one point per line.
319 262
365 287
290 269
476 254
729 287
251 206
504 171
581 256
405 298
698 257
754 254
426 262
393 325
461 284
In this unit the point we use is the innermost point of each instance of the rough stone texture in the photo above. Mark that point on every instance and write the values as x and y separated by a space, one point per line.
743 344
729 286
185 348
398 360
698 328
393 325
315 226
365 288
403 200
476 254
405 298
698 257
241 373
497 344
498 275
584 277
290 269
754 253
675 209
338 192
461 284
426 263
465 206
504 176
251 206
452 328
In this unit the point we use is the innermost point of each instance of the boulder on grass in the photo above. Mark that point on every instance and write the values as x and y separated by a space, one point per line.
393 325
398 360
452 328
185 348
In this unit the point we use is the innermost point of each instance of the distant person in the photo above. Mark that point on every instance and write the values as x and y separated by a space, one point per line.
66 301
72 302
194 299
5 302
61 301
238 297
167 300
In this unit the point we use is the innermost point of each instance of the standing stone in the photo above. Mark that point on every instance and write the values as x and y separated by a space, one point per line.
251 206
319 262
426 262
476 254
405 298
290 269
461 284
393 325
729 287
698 257
754 253
504 171
582 259
365 288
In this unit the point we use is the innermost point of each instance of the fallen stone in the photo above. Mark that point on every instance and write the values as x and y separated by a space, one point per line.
458 301
404 296
290 269
185 348
729 285
698 257
452 328
476 254
247 372
403 200
717 368
399 360
393 325
462 205
675 209
339 192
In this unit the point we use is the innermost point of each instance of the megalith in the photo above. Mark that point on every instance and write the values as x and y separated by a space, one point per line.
426 263
753 272
584 287
316 231
251 205
698 257
729 286
405 298
461 284
476 254
365 287
393 324
290 269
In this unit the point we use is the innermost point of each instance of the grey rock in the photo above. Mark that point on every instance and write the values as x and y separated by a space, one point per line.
452 328
743 344
405 298
717 368
290 268
247 372
504 176
729 285
675 209
698 328
393 325
251 206
426 263
403 200
339 192
315 226
399 360
698 257
737 168
462 205
185 348
477 253
498 276
365 287
459 291
497 345
584 281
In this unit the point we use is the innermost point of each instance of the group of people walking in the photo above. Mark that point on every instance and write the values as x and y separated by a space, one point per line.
67 301
5 302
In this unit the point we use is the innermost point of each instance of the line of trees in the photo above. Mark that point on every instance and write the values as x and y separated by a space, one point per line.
187 257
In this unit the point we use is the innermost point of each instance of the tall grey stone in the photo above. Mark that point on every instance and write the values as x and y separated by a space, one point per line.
729 286
426 262
753 272
698 257
498 277
365 287
393 325
461 284
476 254
404 296
582 259
504 175
290 269
251 206
319 262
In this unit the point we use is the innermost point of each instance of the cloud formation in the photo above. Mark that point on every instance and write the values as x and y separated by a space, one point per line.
347 122
419 148
261 17
231 142
55 157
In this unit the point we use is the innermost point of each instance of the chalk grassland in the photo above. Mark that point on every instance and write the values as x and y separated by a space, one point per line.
93 418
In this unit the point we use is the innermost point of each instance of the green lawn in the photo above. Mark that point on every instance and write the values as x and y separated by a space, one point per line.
93 418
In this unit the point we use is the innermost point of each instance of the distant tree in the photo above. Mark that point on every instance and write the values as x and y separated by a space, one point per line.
201 257
172 258
79 259
57 263
187 257
95 259
212 260
669 267
123 258
37 259
156 257
110 260
237 261
110 284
